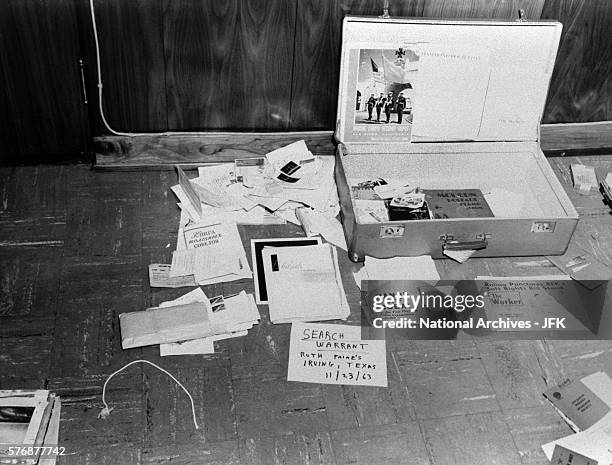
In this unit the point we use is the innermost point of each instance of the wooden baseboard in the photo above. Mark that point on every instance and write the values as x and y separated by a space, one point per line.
154 152
576 137
163 152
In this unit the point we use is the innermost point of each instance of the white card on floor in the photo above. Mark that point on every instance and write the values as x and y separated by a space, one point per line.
335 354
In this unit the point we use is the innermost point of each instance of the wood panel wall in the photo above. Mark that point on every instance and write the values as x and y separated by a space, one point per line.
41 100
260 65
229 63
274 64
581 87
133 63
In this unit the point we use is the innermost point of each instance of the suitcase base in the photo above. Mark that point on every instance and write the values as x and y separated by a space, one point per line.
543 226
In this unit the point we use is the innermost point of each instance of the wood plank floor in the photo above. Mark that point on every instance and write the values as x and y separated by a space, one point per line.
74 250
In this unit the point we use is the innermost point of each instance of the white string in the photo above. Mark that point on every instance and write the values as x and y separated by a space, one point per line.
101 109
105 412
167 133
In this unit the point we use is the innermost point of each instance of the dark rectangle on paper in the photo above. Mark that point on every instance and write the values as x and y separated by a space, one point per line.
257 245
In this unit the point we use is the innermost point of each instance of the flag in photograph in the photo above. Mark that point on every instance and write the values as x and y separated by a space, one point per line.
374 66
395 73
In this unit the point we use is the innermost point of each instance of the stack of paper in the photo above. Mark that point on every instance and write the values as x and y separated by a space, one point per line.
189 324
211 252
397 269
304 284
29 424
235 315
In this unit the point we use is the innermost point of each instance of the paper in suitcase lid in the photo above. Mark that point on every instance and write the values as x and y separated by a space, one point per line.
451 80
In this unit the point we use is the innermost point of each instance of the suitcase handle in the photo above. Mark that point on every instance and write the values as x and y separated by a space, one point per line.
466 245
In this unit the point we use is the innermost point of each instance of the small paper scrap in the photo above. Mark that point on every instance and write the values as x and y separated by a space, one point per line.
314 223
159 276
335 354
584 177
460 256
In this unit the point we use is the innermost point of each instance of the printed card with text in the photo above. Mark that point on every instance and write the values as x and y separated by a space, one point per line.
335 354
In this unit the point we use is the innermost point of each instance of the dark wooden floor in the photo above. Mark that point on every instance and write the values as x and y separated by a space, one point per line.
74 250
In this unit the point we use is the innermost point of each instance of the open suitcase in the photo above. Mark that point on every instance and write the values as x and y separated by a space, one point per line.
474 93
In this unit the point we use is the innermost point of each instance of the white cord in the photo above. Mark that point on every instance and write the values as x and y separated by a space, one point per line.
99 68
167 133
105 412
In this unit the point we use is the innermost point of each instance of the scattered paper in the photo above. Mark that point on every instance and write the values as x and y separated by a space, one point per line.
294 164
582 266
397 269
201 346
304 284
582 403
192 197
216 177
196 346
159 276
256 191
563 456
183 264
250 171
314 223
584 177
335 354
234 315
393 188
185 204
170 324
371 211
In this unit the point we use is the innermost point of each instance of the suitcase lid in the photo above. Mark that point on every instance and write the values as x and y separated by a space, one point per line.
461 80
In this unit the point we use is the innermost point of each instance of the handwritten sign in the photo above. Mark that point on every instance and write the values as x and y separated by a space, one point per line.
335 354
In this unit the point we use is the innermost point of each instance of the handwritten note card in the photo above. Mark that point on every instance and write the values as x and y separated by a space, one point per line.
335 354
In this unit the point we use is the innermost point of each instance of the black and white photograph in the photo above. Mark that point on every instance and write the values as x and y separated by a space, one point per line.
385 86
305 232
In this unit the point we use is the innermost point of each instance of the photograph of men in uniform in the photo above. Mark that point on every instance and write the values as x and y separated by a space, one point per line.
371 104
389 106
400 104
384 83
380 103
